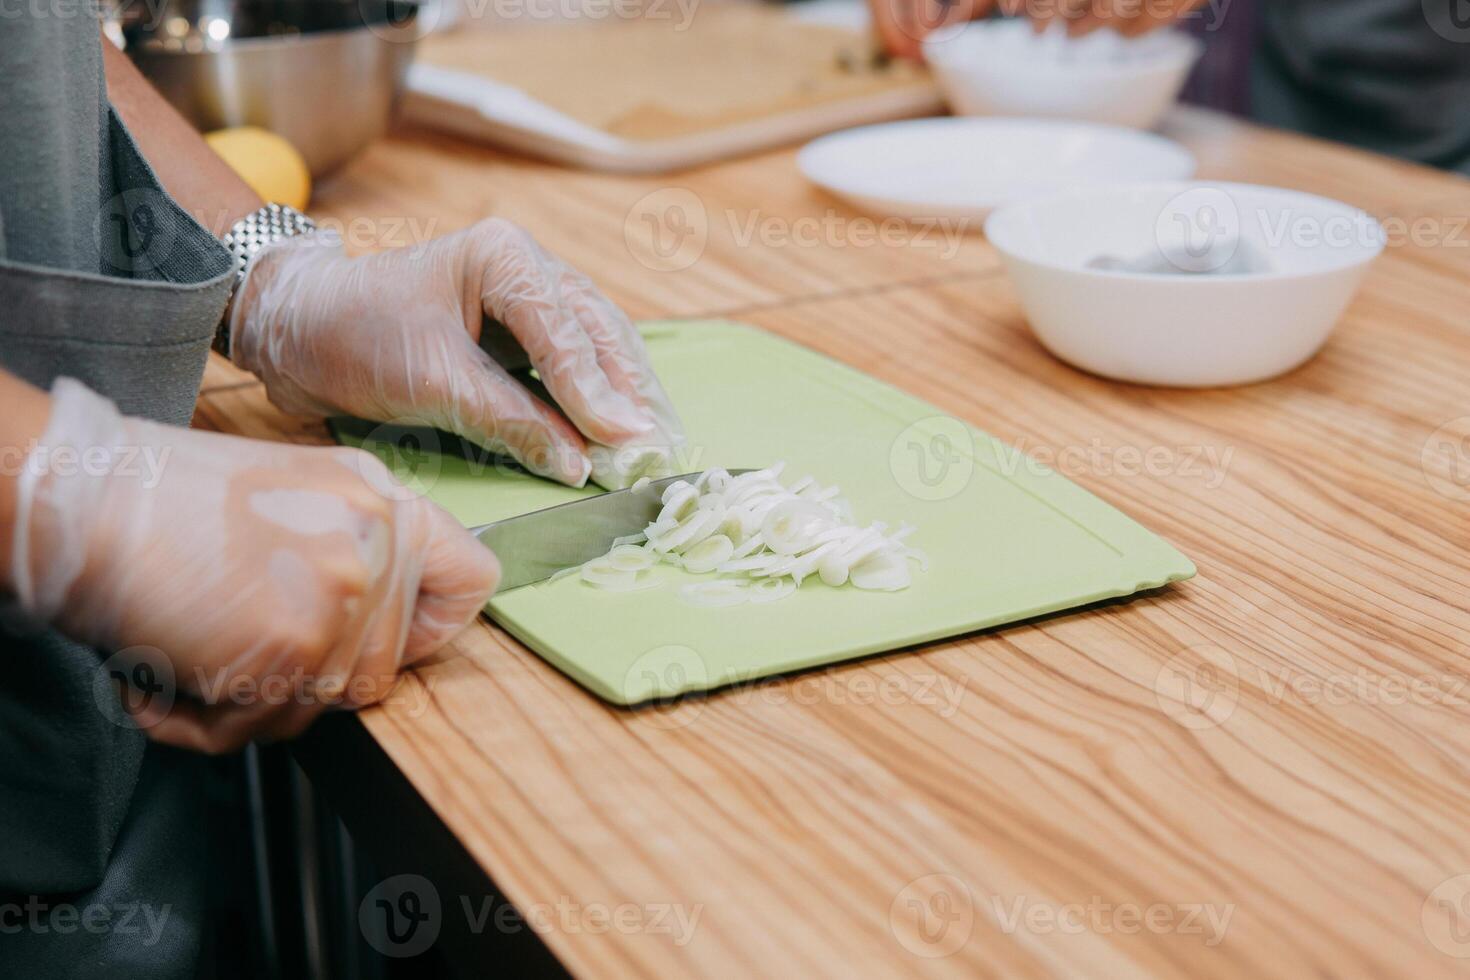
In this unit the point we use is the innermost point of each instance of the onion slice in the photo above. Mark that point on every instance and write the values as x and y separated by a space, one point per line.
763 538
708 554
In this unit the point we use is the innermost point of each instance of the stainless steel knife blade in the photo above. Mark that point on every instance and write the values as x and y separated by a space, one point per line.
535 546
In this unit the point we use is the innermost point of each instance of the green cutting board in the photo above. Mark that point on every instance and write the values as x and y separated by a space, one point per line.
1006 540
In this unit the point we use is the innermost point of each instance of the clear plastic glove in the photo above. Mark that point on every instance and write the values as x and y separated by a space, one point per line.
308 572
395 337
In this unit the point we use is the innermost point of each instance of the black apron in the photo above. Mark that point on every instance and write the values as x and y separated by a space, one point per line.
104 279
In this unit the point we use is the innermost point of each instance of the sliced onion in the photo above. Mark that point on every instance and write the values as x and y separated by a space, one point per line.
708 554
680 500
791 526
562 573
700 524
917 556
763 538
863 546
886 573
749 546
631 558
771 589
602 573
833 571
754 565
732 527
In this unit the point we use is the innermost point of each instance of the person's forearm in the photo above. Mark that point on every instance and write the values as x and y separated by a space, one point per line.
23 414
202 183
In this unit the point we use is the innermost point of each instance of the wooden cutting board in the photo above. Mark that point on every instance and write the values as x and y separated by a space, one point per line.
754 72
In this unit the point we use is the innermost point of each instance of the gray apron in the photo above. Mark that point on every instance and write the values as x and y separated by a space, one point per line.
102 278
1389 75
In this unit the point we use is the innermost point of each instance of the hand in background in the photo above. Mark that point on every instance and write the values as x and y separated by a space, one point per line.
1128 17
395 336
903 24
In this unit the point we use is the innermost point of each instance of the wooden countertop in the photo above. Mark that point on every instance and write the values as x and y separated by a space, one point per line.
1264 771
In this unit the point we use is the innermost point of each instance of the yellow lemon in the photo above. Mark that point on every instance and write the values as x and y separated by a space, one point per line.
270 165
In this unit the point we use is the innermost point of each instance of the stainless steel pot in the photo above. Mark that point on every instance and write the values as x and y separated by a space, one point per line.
325 74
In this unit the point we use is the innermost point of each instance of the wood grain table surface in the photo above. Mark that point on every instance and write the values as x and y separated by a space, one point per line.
1262 771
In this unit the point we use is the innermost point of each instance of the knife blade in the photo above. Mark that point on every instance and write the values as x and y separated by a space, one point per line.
533 547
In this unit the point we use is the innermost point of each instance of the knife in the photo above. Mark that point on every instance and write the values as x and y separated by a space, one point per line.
535 546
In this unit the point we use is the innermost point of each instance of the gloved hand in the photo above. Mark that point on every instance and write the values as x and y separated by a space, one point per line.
395 336
310 569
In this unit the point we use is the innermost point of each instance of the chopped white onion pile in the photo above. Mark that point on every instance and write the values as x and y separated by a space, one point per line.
760 539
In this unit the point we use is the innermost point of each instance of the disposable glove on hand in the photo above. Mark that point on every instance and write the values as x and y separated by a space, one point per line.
395 337
308 572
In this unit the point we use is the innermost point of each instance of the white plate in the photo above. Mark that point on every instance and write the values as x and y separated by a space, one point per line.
963 168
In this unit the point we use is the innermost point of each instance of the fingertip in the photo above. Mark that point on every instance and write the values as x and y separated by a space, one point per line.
584 473
460 576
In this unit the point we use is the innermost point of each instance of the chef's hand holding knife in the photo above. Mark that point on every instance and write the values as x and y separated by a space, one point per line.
312 567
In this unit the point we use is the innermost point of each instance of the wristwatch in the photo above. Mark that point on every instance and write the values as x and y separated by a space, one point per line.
249 235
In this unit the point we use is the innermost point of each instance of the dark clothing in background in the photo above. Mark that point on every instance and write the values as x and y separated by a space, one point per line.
102 278
1387 75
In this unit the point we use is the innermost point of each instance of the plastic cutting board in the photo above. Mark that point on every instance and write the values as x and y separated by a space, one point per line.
1005 540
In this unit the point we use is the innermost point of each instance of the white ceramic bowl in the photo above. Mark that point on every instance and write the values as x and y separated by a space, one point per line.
962 169
1203 322
999 67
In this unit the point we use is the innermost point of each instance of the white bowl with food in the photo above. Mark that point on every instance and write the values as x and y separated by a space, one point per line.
1004 68
1187 284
